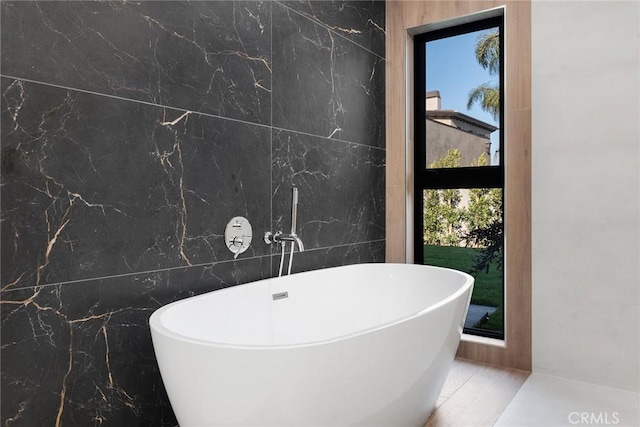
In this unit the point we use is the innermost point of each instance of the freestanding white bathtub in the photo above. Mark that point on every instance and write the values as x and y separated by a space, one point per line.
365 344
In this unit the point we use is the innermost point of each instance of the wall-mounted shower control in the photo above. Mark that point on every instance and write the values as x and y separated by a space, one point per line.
292 237
237 235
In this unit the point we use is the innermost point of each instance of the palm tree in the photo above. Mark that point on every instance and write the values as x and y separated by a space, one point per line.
488 51
488 56
489 235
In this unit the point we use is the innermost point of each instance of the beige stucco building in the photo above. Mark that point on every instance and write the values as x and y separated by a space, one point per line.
449 129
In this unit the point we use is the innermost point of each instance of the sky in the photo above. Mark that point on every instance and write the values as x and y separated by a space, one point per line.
452 69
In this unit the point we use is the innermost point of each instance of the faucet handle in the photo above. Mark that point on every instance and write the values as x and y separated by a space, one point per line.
237 235
236 241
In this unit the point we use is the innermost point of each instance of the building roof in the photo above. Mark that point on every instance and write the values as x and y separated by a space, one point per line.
453 114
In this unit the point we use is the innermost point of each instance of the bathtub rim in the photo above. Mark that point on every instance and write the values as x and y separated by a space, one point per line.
155 323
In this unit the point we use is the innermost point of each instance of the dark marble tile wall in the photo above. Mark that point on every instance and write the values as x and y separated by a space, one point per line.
131 133
323 84
339 183
211 57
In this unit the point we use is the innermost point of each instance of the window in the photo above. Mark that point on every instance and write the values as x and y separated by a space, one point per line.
459 161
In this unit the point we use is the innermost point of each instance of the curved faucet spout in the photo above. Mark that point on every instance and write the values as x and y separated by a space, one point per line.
292 237
299 243
279 237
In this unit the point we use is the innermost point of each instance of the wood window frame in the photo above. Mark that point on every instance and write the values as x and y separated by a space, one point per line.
404 19
425 178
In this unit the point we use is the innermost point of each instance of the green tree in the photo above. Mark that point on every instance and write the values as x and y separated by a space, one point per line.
488 56
484 224
485 206
443 216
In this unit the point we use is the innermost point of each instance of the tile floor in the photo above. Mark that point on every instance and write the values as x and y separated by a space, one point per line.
475 394
548 401
480 395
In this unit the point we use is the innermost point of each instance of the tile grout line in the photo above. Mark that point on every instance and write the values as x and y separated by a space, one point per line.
271 136
191 111
329 28
269 126
182 267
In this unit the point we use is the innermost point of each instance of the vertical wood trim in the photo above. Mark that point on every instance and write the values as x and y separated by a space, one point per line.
403 15
395 134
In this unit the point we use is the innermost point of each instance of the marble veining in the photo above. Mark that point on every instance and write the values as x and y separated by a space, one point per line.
212 57
87 358
131 132
93 187
362 22
335 206
322 84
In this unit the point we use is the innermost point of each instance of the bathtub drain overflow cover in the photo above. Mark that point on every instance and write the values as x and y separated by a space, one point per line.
280 295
